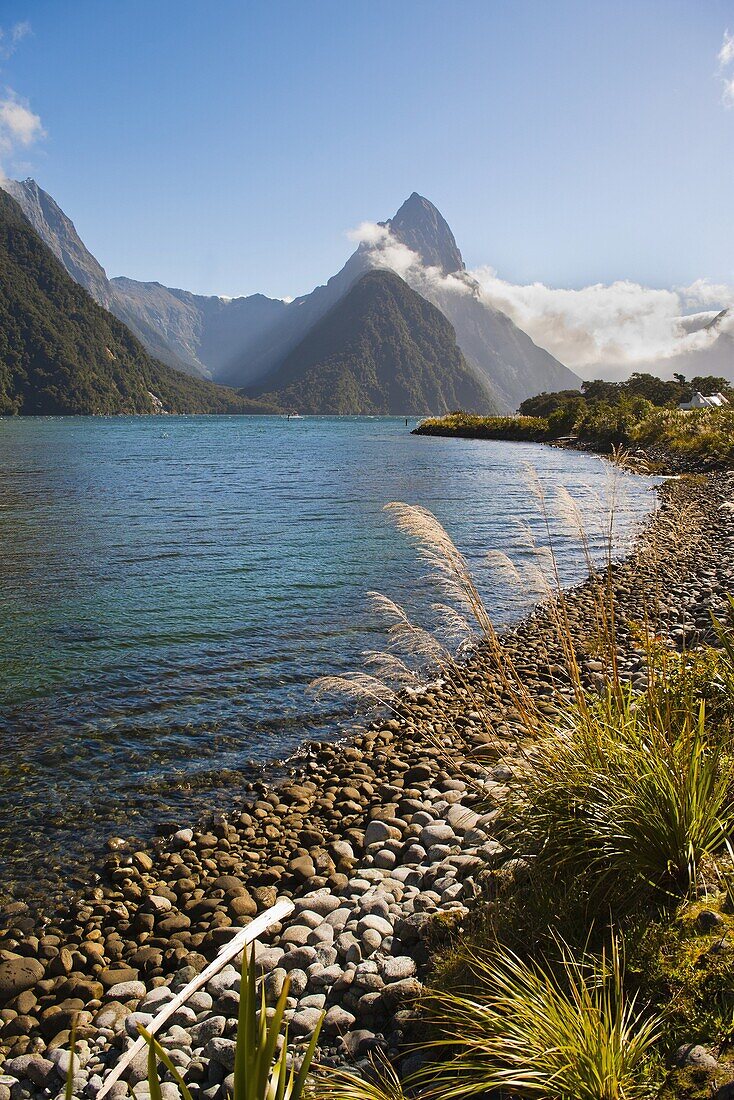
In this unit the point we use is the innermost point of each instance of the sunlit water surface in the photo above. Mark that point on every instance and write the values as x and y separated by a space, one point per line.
169 587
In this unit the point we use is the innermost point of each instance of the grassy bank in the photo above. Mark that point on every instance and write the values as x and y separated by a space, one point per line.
699 439
598 963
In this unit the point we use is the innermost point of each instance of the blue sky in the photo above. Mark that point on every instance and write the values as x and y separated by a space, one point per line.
227 147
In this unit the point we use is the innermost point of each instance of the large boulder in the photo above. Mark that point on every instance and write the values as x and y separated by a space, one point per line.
17 975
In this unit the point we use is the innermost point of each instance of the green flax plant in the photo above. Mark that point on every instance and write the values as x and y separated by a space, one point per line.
261 1070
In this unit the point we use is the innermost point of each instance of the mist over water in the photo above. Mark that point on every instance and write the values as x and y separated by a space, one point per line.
169 586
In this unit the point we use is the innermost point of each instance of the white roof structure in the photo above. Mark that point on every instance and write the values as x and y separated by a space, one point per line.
698 401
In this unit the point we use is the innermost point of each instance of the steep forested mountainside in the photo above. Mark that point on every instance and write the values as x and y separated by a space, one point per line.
60 352
382 349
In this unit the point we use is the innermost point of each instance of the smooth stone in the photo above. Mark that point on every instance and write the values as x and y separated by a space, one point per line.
394 968
437 834
461 818
692 1054
221 1051
377 832
126 991
374 923
212 1028
305 1020
156 998
33 1066
338 1020
267 958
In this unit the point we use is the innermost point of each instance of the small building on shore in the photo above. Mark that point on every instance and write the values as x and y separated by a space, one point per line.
698 401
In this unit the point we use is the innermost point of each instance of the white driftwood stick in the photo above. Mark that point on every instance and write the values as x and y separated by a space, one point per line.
245 936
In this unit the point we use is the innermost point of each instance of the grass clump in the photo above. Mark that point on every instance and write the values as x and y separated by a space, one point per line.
629 794
568 1032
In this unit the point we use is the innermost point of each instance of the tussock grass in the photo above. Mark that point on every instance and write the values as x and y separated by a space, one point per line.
380 1081
631 794
569 1032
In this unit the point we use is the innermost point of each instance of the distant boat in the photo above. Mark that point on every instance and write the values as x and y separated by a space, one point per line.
294 416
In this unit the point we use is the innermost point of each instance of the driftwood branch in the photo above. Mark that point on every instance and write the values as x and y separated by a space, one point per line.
245 936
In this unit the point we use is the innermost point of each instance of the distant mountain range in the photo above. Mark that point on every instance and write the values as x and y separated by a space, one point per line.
248 342
61 353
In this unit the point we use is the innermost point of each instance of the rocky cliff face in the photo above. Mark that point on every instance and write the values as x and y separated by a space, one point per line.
59 233
420 226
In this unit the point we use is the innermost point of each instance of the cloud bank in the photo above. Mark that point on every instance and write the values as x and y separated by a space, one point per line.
604 329
615 325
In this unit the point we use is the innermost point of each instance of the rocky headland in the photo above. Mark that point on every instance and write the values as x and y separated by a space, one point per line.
385 840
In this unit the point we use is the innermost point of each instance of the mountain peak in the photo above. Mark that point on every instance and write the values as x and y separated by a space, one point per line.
422 227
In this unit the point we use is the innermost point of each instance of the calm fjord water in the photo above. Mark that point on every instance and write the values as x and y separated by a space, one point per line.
168 588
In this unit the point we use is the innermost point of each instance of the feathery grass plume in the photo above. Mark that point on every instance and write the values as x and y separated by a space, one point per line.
449 570
357 685
630 794
261 1056
402 630
388 666
564 1032
446 562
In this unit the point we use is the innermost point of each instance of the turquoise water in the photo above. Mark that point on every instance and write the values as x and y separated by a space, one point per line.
168 588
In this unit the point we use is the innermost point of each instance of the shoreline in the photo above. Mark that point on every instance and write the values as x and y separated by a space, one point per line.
379 828
655 460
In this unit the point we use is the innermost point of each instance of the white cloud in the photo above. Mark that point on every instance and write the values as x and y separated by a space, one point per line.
20 127
621 324
11 39
725 57
726 53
